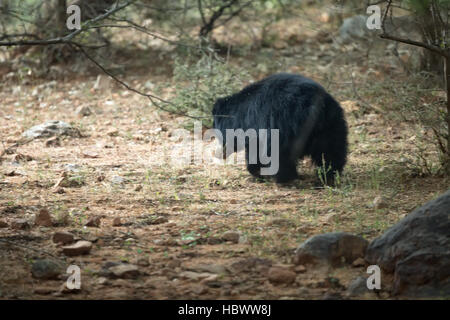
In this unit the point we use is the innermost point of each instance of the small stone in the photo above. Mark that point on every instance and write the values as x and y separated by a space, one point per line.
113 132
44 290
280 222
46 269
59 190
117 222
300 269
20 224
51 128
231 236
360 262
21 158
93 222
332 296
333 248
90 154
102 281
3 224
63 237
43 218
210 268
156 220
174 263
72 167
143 262
11 173
65 290
199 289
194 275
117 180
379 203
53 142
125 271
278 275
83 111
79 248
357 287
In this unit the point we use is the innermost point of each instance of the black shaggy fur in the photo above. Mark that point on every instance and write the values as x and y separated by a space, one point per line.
310 122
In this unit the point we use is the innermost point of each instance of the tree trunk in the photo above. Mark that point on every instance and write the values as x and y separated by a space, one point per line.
447 81
61 16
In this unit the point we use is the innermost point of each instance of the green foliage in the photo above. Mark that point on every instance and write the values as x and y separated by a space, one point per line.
199 83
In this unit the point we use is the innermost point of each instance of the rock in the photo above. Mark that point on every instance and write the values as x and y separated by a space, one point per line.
117 222
44 290
125 271
53 142
59 190
90 154
118 180
246 265
210 268
300 269
93 222
195 275
3 224
278 275
112 132
72 167
46 269
231 236
83 111
50 129
332 248
79 248
417 250
143 262
43 218
280 222
332 296
159 220
357 287
359 262
379 203
102 281
19 157
63 237
199 289
63 289
20 224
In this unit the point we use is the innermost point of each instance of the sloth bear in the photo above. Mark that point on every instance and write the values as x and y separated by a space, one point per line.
309 120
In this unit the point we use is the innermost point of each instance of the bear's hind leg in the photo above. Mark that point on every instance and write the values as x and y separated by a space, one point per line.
287 171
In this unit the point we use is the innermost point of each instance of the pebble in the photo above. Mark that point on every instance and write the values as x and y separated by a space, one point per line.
79 248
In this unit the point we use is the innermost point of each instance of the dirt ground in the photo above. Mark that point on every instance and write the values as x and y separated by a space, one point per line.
173 217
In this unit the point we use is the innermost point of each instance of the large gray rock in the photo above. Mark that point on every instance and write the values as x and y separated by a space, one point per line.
46 269
51 128
333 248
417 250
